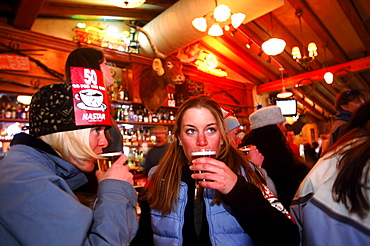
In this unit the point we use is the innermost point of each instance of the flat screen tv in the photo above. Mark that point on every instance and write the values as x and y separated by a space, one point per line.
288 106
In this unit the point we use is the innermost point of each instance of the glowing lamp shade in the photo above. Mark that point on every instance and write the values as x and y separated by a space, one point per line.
284 93
328 77
237 19
215 30
273 46
26 100
200 24
296 53
127 3
312 49
221 13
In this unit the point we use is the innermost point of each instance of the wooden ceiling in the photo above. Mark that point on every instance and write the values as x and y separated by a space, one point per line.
340 28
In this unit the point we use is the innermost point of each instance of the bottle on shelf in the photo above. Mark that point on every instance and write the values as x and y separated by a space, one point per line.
126 96
8 111
171 117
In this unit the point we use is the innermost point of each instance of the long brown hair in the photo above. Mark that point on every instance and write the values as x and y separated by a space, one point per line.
163 187
354 163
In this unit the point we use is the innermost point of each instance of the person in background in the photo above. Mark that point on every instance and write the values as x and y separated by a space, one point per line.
346 103
93 58
290 136
232 209
156 153
332 205
309 155
281 165
41 170
254 157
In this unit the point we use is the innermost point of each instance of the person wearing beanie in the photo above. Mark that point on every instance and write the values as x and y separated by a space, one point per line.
283 168
42 168
92 58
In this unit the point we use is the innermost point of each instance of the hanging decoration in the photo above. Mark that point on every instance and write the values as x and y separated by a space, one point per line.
311 48
219 20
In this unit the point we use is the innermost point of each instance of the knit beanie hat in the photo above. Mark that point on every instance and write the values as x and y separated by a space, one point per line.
270 115
230 120
54 109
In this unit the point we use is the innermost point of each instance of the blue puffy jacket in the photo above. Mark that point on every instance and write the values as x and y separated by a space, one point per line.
38 206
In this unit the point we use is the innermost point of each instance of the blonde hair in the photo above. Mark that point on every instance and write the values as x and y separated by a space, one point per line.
163 187
71 144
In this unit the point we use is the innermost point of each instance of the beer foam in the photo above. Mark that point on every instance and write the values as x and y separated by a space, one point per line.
202 153
110 154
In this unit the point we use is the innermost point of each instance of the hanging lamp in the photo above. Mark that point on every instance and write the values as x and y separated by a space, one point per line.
273 46
284 93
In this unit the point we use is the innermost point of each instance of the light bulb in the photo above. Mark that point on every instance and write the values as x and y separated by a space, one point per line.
273 46
328 77
200 24
215 30
237 19
221 13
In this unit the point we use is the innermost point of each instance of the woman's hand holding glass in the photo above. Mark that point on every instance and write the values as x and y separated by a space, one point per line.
255 156
118 171
218 175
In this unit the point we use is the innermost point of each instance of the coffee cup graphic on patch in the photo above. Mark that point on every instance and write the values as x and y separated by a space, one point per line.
91 99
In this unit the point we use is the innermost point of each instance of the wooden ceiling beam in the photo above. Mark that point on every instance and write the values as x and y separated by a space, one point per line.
354 19
230 64
54 9
245 30
231 44
302 79
313 111
27 12
320 30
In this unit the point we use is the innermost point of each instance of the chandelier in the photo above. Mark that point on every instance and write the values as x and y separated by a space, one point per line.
219 20
284 93
127 3
312 47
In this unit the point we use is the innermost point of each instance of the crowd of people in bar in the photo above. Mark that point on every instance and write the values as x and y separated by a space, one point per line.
254 190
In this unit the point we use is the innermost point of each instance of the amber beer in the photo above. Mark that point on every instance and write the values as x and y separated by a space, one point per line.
195 155
106 160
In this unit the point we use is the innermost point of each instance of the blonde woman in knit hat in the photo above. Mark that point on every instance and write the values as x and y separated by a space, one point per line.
285 171
41 170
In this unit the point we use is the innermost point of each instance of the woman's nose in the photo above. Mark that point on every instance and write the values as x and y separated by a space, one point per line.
202 140
103 142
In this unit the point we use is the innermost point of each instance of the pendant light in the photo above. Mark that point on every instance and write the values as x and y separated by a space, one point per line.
273 46
284 93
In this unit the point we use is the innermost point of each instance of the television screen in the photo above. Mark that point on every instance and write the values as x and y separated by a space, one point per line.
288 106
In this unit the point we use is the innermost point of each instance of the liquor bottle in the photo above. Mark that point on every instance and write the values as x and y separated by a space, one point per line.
13 112
131 113
172 117
154 118
126 96
18 111
24 114
8 111
145 116
125 114
140 115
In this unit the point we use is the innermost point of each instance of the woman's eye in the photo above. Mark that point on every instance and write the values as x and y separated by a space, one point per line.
190 131
211 130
